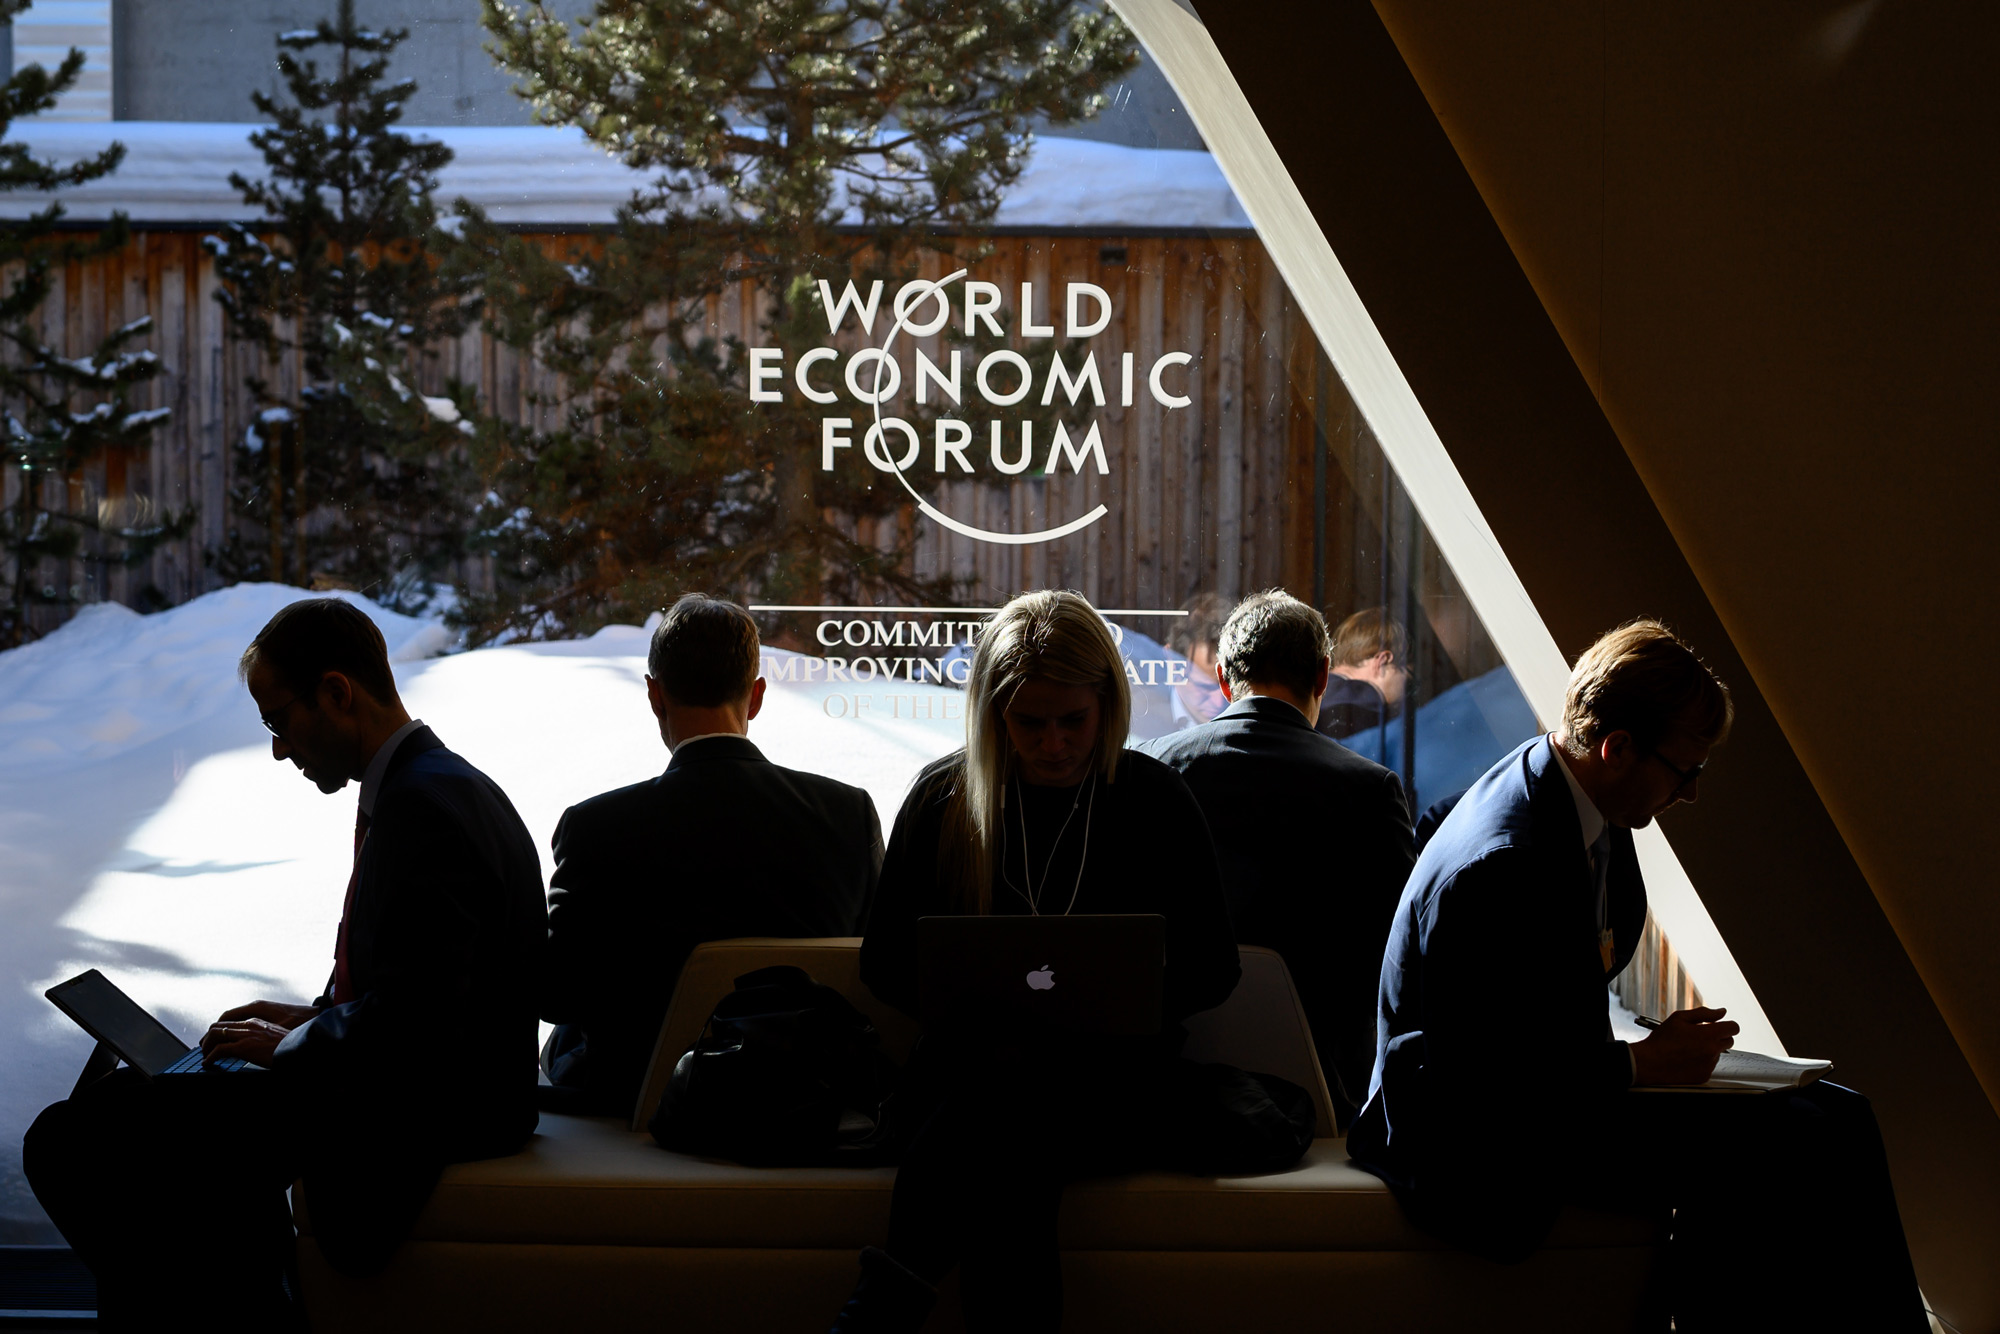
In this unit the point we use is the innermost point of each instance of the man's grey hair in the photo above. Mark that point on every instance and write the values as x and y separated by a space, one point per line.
1272 638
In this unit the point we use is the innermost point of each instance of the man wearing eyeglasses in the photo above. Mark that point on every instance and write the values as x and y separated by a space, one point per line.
1369 681
421 1051
1500 1093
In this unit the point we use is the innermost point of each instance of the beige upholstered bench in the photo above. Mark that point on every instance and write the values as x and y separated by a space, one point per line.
594 1226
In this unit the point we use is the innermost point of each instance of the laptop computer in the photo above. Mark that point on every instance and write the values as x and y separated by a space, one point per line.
1098 973
123 1026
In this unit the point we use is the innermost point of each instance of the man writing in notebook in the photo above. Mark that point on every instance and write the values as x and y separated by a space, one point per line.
1499 1093
420 1052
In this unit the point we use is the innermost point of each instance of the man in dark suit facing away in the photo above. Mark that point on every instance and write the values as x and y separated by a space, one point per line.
420 1052
1499 1092
1314 840
723 844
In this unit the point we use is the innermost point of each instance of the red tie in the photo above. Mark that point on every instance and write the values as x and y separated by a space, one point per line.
343 980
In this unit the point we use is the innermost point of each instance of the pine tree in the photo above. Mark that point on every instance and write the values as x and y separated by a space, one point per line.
791 141
52 512
355 479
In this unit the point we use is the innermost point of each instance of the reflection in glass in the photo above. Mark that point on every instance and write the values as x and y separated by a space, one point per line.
1118 356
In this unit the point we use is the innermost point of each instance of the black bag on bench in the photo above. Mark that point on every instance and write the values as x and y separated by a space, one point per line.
786 1073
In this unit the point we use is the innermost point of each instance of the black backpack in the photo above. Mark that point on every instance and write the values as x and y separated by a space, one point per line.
786 1073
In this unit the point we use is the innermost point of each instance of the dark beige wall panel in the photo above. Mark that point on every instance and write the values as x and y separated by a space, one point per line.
1762 247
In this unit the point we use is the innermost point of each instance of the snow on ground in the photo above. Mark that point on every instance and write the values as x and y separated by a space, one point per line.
145 830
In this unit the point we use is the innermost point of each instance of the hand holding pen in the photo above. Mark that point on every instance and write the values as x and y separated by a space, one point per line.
1683 1047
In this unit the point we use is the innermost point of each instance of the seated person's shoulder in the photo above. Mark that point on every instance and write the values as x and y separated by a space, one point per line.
426 765
936 780
1170 747
934 784
1150 774
829 790
434 779
1330 754
619 801
1476 871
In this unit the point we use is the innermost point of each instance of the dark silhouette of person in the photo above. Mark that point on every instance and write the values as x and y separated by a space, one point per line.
421 1051
723 844
1313 839
1499 1092
1043 812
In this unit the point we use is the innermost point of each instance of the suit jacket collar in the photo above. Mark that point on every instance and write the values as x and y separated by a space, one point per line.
1267 709
1553 825
715 748
1549 796
414 743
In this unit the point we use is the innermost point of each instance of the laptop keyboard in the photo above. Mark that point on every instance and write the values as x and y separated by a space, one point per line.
190 1064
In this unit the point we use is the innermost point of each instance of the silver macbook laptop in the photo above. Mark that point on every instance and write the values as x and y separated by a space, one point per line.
1094 974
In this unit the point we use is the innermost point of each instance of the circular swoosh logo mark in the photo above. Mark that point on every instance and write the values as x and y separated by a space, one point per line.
908 299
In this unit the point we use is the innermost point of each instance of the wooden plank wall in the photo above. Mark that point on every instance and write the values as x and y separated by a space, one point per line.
1215 496
1206 497
1198 498
1656 982
167 277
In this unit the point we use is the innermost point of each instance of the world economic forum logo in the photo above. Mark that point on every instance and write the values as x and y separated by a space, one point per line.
1001 379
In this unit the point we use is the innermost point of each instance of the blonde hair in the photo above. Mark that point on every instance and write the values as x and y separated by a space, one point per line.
1644 679
1056 636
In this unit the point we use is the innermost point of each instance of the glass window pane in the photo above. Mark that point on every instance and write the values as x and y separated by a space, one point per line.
1099 383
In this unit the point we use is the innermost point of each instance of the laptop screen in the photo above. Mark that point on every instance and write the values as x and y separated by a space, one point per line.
1095 973
115 1019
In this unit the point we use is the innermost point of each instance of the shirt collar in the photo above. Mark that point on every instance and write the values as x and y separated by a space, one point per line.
1268 707
687 741
1587 813
371 782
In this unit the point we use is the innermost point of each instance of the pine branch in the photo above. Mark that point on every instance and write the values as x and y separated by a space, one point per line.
362 478
768 127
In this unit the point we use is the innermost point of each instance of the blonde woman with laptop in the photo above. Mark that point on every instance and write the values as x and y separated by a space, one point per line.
1043 814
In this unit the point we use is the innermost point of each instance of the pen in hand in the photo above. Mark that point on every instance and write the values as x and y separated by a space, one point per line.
1646 1021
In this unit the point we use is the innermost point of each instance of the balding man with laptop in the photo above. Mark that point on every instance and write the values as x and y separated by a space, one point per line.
420 1052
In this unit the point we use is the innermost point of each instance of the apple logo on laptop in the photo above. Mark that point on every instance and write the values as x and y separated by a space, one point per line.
1042 979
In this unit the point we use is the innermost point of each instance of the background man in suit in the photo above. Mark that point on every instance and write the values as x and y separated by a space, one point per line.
421 1051
1371 674
1314 840
723 844
1498 1091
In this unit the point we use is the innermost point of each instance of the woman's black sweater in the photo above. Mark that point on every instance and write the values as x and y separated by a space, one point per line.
1148 852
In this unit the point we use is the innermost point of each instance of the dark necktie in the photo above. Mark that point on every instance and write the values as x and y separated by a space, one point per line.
343 979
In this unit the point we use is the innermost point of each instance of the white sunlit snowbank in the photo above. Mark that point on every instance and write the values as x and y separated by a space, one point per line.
145 830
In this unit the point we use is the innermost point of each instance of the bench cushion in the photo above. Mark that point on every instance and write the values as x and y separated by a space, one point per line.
588 1181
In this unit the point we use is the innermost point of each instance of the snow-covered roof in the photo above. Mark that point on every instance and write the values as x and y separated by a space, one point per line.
178 172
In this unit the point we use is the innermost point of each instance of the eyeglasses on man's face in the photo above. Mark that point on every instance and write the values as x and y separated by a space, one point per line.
1688 777
274 721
